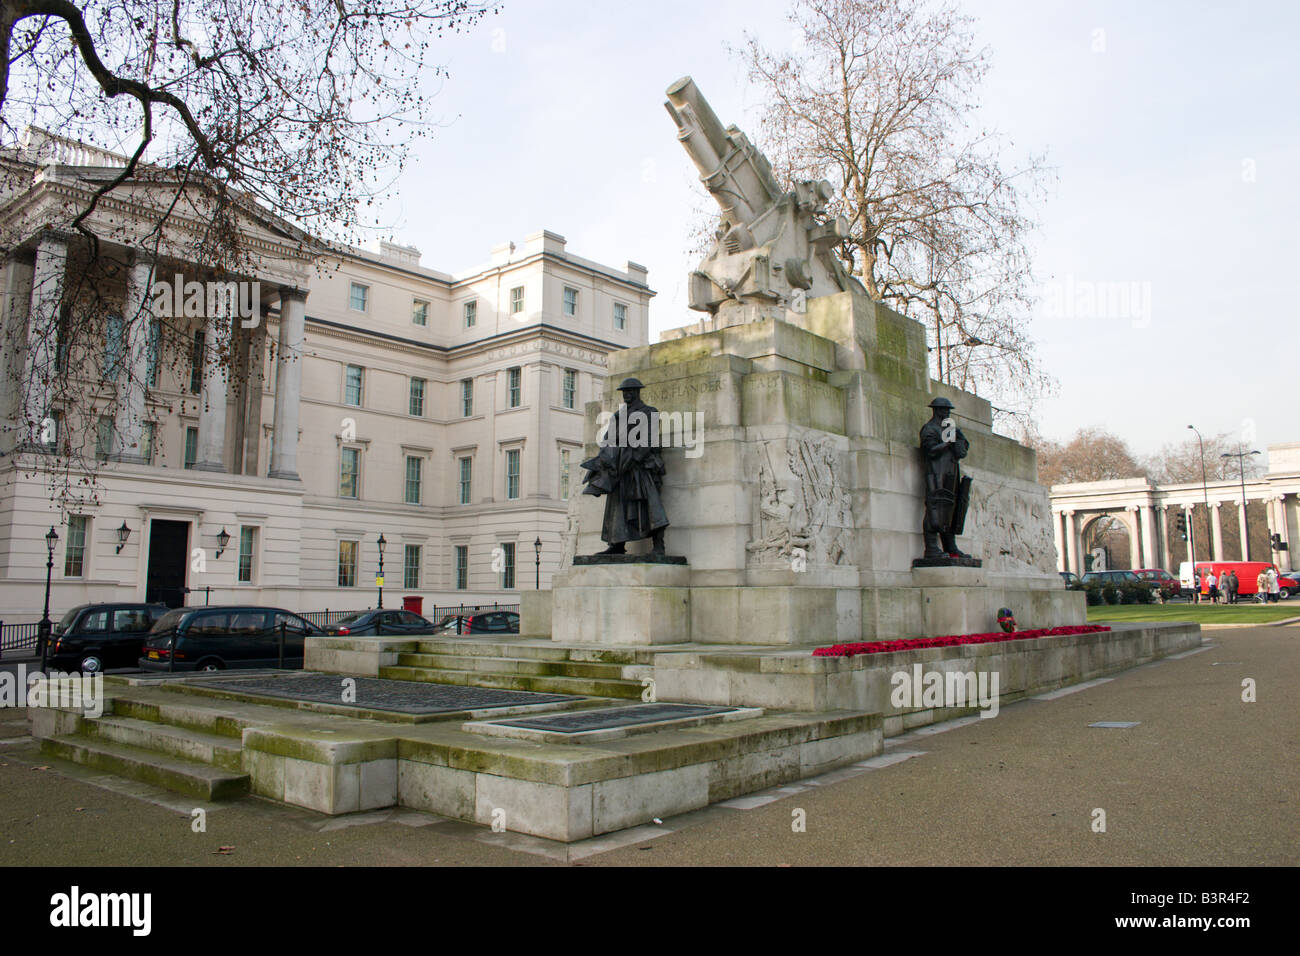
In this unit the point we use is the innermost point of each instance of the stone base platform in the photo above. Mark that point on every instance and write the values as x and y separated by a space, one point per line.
772 716
222 747
660 604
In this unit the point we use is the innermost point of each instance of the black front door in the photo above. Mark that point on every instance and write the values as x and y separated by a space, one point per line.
169 555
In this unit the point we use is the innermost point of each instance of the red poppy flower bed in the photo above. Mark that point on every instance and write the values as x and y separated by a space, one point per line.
884 647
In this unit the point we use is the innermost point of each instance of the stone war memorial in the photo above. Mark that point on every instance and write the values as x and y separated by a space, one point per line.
778 478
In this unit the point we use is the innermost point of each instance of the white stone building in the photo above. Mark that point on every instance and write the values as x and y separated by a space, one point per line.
444 411
1149 514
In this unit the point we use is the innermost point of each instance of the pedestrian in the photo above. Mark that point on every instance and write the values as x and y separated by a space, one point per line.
1212 585
1234 585
1274 589
1261 588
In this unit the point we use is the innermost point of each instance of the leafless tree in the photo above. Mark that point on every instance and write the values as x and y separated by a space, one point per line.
214 114
1181 461
880 97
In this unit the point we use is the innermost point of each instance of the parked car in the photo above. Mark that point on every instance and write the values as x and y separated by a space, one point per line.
1117 578
375 623
96 637
214 638
1071 579
484 622
1168 585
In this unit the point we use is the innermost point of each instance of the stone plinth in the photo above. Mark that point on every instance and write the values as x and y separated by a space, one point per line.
626 603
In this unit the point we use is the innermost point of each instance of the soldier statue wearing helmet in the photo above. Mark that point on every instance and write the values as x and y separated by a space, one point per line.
947 491
629 472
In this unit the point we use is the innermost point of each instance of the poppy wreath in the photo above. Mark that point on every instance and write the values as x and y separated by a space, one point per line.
951 640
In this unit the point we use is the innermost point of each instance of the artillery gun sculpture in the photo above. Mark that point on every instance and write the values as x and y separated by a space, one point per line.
773 249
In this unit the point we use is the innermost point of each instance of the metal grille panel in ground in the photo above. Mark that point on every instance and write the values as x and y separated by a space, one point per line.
405 697
612 718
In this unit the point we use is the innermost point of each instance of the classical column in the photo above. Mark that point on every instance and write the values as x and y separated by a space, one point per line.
42 330
138 317
1217 522
543 471
288 383
1147 520
1164 539
1242 530
1191 534
212 397
1058 537
1272 508
1072 542
253 393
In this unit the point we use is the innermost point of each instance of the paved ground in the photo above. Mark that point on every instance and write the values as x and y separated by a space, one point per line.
1202 779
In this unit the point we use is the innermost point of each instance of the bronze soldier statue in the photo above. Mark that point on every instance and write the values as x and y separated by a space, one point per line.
629 471
947 491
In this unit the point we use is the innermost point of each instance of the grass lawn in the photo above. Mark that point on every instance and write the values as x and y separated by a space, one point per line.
1200 613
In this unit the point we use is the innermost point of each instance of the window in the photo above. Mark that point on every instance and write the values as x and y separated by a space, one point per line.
466 473
508 570
196 363
61 344
513 377
74 557
153 350
359 297
564 474
569 389
471 313
570 301
352 385
114 347
420 312
411 566
349 472
104 437
620 316
516 300
146 442
347 564
462 567
52 429
417 397
191 447
467 397
413 469
246 539
512 473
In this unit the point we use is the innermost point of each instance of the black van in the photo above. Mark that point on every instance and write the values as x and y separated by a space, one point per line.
95 637
214 638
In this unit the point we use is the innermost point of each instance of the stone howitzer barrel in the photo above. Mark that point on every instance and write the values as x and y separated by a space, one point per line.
736 174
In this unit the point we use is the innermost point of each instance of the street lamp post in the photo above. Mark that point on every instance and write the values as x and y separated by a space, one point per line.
1241 462
381 542
46 627
1205 492
537 550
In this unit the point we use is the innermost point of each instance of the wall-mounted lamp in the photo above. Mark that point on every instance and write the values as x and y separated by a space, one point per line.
122 534
223 539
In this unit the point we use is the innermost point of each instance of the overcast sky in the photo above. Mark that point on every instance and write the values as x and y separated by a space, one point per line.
1173 128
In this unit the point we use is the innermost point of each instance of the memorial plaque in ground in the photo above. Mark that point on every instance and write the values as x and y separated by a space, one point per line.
612 717
374 693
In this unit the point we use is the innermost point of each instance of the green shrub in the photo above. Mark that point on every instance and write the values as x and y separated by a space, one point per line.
1109 594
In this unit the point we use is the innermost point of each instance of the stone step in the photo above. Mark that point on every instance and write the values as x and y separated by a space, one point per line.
186 711
541 683
538 650
183 776
225 753
515 665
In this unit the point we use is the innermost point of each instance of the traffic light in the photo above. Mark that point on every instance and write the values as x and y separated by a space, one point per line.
1182 525
1278 543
